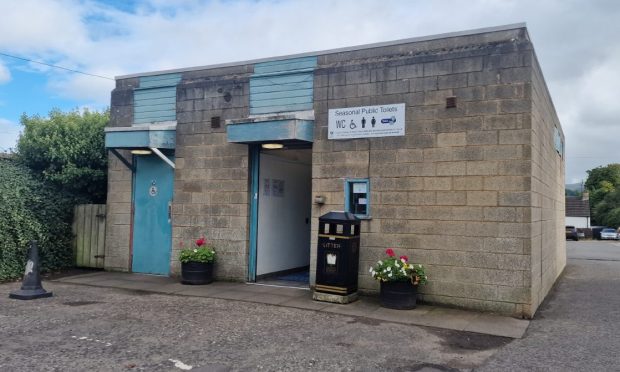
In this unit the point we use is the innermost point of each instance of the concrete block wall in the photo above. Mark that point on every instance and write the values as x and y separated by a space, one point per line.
118 215
548 242
118 210
455 193
211 177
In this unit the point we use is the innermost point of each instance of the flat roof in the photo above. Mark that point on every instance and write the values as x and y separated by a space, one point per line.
337 50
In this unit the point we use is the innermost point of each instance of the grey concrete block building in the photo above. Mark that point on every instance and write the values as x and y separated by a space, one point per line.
447 147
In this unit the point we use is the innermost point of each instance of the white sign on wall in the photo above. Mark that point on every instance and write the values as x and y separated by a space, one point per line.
366 121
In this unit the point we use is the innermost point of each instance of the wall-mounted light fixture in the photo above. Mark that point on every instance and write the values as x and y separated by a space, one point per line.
141 152
272 146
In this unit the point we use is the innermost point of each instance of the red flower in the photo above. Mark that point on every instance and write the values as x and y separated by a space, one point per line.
200 242
404 258
390 252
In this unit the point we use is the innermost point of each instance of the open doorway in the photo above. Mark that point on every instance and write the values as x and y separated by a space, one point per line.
284 210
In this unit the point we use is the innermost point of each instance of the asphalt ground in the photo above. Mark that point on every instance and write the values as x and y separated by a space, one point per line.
577 328
106 329
102 329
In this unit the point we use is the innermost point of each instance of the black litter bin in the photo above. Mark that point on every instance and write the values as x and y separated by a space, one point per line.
338 253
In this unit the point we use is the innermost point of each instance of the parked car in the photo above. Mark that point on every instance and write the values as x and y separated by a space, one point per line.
609 234
571 233
596 232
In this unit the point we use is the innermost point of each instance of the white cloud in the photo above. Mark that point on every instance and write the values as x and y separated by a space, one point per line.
42 26
574 43
9 132
5 74
82 88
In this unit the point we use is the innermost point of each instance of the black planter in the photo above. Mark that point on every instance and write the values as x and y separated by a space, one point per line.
398 295
196 273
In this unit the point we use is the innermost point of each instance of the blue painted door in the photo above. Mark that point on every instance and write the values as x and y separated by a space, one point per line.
152 228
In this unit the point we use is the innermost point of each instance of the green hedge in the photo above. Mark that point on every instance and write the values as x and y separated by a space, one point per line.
31 209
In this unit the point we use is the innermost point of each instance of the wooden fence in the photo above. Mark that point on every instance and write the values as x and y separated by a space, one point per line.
89 232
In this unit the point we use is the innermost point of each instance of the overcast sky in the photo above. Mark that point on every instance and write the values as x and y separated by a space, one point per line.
576 43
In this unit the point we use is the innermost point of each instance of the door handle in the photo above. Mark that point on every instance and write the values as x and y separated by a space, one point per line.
169 211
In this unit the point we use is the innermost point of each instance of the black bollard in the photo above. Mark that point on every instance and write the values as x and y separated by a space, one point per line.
31 285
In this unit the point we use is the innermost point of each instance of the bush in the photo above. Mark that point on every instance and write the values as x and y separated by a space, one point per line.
31 209
68 149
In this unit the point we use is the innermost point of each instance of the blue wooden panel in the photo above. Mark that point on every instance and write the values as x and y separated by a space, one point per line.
283 94
161 107
162 139
152 227
153 115
255 102
165 107
286 65
145 119
280 86
127 139
284 88
287 108
143 97
165 139
164 80
158 102
146 94
294 93
281 79
304 130
162 101
276 130
557 141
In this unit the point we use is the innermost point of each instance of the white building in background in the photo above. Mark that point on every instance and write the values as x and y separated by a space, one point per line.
578 211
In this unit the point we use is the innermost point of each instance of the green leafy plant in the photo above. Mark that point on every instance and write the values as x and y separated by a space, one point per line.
68 150
32 209
201 252
398 269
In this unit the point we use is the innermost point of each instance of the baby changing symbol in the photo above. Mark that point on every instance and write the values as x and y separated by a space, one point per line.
390 121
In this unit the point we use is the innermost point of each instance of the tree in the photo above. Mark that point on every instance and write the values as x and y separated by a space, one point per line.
608 210
67 149
604 186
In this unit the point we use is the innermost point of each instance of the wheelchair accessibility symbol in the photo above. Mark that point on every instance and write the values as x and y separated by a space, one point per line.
153 189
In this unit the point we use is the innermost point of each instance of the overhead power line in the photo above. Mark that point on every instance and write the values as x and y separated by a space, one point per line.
55 66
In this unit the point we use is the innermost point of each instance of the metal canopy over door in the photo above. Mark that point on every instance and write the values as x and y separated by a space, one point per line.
152 228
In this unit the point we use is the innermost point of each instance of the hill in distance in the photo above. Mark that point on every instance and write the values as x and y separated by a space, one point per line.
574 186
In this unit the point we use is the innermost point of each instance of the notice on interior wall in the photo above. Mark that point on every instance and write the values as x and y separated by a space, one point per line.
266 187
366 121
359 188
277 188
